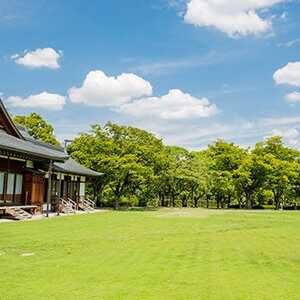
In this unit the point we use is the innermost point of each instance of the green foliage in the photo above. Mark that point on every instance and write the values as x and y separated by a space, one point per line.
131 160
140 171
37 127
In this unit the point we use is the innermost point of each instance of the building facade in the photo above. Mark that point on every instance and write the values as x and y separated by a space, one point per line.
35 176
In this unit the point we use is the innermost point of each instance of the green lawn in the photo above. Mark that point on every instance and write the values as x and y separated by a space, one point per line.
164 254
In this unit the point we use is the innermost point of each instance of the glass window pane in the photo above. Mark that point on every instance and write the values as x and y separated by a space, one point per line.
1 186
10 184
82 189
19 181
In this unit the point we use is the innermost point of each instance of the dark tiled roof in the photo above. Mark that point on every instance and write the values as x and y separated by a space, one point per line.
22 142
72 167
32 148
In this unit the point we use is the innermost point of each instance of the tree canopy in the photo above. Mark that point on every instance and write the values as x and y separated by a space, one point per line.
139 170
37 127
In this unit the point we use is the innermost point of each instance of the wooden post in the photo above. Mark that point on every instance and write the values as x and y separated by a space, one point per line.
49 187
59 192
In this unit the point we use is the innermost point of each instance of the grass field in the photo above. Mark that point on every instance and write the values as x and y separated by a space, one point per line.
164 254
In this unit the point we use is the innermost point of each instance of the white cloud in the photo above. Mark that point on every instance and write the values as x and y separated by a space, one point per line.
293 97
233 17
44 100
174 106
167 66
39 58
289 44
289 74
100 90
283 121
291 136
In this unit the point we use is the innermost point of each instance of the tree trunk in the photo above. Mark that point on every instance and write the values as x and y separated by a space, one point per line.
117 199
222 203
229 201
249 200
173 199
218 202
195 202
117 204
277 201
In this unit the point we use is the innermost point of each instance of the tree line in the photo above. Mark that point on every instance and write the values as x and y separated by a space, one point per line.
139 170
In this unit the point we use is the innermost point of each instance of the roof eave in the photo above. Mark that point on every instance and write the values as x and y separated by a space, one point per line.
35 155
58 169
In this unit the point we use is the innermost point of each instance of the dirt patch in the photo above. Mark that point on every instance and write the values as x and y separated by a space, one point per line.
27 254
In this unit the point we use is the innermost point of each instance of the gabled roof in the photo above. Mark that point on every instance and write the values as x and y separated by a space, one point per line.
70 166
16 139
11 139
11 143
7 123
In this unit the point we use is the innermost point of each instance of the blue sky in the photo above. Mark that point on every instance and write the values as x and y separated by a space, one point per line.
189 71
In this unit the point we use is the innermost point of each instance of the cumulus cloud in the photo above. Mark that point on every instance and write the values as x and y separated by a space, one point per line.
174 106
289 74
293 97
291 136
98 89
131 97
44 100
39 58
233 17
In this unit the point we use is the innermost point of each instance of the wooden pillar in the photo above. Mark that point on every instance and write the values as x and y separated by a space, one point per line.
59 193
49 187
5 181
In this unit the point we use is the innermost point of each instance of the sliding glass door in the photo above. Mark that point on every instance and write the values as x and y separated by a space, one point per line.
11 185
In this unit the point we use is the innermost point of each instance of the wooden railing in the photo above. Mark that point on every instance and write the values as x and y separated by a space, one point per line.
86 205
72 203
90 203
67 206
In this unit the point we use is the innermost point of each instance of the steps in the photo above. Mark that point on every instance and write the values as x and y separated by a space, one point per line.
67 207
86 205
18 213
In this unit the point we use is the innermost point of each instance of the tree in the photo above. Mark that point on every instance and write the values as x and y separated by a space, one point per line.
37 127
282 167
250 177
222 187
280 178
130 158
225 158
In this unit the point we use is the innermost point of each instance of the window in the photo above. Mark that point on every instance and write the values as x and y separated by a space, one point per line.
19 181
1 187
10 183
82 189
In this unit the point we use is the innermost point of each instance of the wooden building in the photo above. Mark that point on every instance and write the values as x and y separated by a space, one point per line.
37 177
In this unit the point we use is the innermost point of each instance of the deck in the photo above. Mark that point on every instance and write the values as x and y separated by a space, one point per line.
18 206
